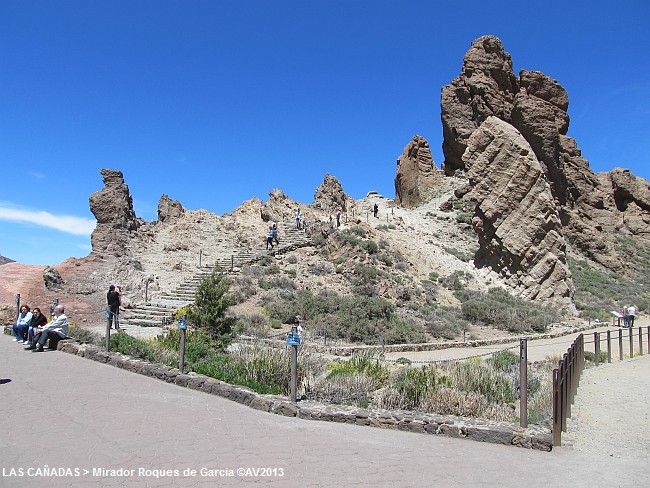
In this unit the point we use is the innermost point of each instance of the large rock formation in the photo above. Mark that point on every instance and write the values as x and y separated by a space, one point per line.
487 86
113 209
169 209
417 176
536 105
330 196
516 219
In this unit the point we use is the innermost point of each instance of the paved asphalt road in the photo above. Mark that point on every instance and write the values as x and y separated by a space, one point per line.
72 415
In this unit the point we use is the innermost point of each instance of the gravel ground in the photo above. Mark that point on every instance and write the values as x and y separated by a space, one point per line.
611 410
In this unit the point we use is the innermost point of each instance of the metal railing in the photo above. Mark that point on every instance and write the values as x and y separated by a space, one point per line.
567 376
565 386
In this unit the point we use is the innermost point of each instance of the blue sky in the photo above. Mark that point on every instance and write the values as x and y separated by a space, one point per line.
214 102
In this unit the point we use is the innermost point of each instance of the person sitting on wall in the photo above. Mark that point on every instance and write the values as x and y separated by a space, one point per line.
38 321
57 329
21 326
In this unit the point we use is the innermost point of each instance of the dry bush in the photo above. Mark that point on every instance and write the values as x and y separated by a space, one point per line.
450 401
353 388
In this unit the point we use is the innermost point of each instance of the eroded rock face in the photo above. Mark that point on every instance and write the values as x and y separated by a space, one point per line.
113 209
487 86
417 175
591 208
330 195
169 209
516 219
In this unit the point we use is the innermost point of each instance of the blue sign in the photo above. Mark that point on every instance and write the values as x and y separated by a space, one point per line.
293 339
181 324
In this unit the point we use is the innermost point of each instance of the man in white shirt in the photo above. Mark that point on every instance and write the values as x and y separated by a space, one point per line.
57 329
631 312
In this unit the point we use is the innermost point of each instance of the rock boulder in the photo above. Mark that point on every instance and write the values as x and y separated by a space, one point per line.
417 175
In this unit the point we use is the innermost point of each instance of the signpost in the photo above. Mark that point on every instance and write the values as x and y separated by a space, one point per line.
523 382
17 306
182 326
108 329
293 339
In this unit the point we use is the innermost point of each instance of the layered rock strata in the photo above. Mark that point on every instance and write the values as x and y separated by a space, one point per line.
516 219
590 207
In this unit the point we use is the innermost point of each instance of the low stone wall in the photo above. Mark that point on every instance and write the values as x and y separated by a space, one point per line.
475 429
426 346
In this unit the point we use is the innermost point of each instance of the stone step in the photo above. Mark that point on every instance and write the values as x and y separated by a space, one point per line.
152 313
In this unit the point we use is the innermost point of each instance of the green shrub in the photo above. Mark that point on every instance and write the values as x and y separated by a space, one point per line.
465 257
499 309
590 356
445 322
369 246
474 376
208 312
412 387
504 360
386 259
366 363
319 240
137 348
454 281
85 335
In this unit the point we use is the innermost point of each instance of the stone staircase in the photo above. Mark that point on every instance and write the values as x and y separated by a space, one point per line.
162 311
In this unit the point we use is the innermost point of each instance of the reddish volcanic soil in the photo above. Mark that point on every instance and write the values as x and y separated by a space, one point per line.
28 281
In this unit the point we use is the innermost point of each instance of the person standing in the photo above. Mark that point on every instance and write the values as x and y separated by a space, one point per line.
57 329
269 238
631 313
298 219
375 211
276 236
23 321
114 300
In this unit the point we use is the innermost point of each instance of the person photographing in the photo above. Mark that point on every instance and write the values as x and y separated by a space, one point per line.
114 300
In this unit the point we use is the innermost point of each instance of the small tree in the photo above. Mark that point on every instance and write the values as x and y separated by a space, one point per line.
208 312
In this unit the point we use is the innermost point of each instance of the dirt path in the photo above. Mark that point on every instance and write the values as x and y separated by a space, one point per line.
611 410
538 349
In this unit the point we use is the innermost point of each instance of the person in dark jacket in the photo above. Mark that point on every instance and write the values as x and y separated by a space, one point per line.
114 300
38 320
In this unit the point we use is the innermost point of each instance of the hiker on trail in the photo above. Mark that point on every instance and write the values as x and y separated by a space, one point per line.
375 210
298 219
22 324
114 300
269 238
631 313
57 329
338 218
38 320
275 234
625 316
